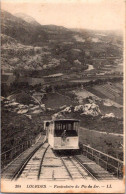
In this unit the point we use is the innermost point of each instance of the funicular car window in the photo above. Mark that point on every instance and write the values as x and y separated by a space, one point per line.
58 129
76 126
68 127
71 129
51 128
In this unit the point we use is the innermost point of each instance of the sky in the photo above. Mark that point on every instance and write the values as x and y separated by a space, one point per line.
86 14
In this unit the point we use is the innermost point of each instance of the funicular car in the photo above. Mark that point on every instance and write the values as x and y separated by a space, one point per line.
62 134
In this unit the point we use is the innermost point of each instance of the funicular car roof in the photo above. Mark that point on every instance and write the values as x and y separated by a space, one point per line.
62 120
65 120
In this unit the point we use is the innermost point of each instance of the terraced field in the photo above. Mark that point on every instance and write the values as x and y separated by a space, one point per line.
109 97
84 93
112 91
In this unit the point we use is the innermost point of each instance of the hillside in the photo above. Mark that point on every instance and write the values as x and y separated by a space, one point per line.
27 45
28 31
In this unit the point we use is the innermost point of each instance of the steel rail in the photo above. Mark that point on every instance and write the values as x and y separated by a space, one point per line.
66 168
77 159
77 168
40 166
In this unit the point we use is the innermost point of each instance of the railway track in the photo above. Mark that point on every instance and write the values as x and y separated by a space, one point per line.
75 169
32 167
45 164
31 156
13 170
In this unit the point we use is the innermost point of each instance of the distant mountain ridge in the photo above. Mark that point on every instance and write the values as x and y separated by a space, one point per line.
27 30
21 30
27 18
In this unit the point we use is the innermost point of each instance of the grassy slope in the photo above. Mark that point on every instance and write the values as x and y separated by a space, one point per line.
18 128
107 143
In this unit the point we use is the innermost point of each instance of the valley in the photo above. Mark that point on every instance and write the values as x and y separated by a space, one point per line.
50 71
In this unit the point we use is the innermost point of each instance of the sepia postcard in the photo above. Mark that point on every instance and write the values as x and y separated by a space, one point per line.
62 96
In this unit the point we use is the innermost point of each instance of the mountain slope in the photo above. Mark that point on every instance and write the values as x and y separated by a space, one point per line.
21 30
26 30
28 45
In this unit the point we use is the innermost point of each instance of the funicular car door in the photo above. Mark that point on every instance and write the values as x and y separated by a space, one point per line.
64 134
